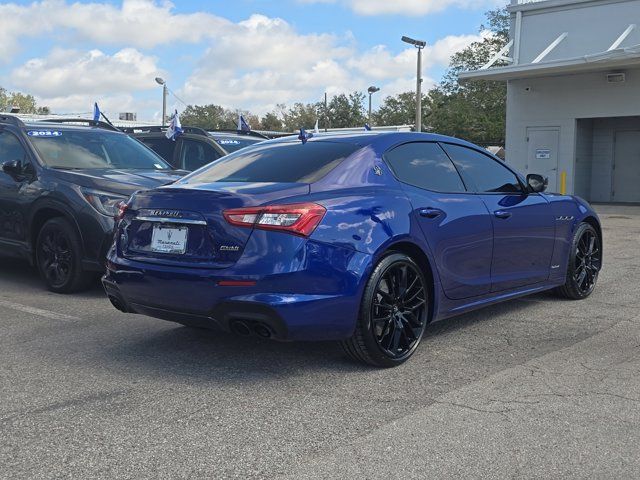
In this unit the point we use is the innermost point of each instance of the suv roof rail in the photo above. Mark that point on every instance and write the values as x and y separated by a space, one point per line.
12 120
250 133
91 123
160 128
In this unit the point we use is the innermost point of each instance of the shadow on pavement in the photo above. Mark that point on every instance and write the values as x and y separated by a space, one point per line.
218 356
20 273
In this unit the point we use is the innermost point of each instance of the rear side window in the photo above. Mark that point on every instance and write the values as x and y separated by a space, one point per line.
482 172
162 146
276 162
194 154
425 165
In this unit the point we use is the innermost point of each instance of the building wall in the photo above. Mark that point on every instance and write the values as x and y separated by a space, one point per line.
592 27
559 102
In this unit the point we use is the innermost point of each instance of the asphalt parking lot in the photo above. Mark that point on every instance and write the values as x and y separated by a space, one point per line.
538 388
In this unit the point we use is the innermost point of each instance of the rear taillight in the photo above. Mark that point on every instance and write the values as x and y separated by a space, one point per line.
298 218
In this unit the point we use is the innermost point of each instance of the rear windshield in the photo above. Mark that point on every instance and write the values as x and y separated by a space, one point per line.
276 162
232 144
93 149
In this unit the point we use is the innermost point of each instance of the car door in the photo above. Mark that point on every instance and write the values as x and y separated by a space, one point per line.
195 152
454 223
523 223
14 189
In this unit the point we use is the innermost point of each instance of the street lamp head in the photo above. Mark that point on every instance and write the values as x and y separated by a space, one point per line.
160 81
414 42
373 89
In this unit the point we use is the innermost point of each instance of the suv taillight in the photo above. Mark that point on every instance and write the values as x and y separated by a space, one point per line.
297 218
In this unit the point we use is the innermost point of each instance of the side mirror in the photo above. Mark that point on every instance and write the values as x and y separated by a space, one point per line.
537 183
12 168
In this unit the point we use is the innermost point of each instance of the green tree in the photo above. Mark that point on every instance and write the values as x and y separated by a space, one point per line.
271 121
25 102
301 115
474 110
399 110
346 111
209 117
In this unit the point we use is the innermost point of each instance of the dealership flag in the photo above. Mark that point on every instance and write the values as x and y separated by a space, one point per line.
316 129
304 135
367 127
175 129
96 112
243 126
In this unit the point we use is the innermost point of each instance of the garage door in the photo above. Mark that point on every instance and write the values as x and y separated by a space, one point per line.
626 167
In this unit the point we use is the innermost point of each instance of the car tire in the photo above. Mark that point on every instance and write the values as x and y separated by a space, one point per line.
59 258
393 313
585 261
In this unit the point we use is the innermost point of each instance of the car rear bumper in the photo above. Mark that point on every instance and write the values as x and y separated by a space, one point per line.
310 303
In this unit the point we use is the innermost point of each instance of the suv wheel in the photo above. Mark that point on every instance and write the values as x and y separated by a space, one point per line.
59 257
393 313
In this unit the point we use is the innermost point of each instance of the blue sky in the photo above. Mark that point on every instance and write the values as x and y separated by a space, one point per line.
243 54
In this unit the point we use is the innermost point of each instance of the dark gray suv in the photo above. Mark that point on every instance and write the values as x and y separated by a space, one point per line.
61 183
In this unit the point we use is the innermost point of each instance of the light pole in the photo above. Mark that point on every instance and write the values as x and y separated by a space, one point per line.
160 81
419 44
371 91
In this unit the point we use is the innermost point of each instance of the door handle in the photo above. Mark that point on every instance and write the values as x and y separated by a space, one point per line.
430 212
502 214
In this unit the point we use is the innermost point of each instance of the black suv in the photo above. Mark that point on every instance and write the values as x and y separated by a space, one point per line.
195 147
61 183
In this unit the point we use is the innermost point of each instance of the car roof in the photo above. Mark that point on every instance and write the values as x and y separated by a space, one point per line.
375 138
59 126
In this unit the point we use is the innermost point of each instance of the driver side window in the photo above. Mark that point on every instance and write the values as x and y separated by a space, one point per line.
481 172
10 148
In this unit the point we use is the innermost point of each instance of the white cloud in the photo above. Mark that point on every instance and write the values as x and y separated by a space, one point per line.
408 7
278 64
137 23
64 71
290 67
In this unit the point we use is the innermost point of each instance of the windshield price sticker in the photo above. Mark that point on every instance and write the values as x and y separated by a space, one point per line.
229 142
44 133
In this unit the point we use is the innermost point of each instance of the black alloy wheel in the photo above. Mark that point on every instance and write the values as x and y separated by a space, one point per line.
393 314
585 262
59 258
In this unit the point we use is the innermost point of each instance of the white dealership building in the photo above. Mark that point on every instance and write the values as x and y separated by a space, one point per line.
573 101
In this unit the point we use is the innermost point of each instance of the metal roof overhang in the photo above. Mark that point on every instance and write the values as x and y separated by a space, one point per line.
613 59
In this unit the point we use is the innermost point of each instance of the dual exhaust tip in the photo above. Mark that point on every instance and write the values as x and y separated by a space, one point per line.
246 329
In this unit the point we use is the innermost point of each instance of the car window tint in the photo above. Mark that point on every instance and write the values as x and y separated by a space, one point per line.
196 154
425 165
162 146
276 162
10 148
482 172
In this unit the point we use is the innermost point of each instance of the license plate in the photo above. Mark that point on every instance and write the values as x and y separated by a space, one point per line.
169 239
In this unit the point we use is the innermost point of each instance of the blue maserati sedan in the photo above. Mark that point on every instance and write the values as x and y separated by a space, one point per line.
363 238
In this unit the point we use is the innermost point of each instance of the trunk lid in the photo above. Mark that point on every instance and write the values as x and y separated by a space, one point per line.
195 213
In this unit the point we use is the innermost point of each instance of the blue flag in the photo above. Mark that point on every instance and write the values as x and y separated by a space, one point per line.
175 129
96 112
367 127
304 135
243 126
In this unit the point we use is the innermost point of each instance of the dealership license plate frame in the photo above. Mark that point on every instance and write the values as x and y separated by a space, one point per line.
171 230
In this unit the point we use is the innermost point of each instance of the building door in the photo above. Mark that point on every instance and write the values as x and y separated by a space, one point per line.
542 153
626 167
